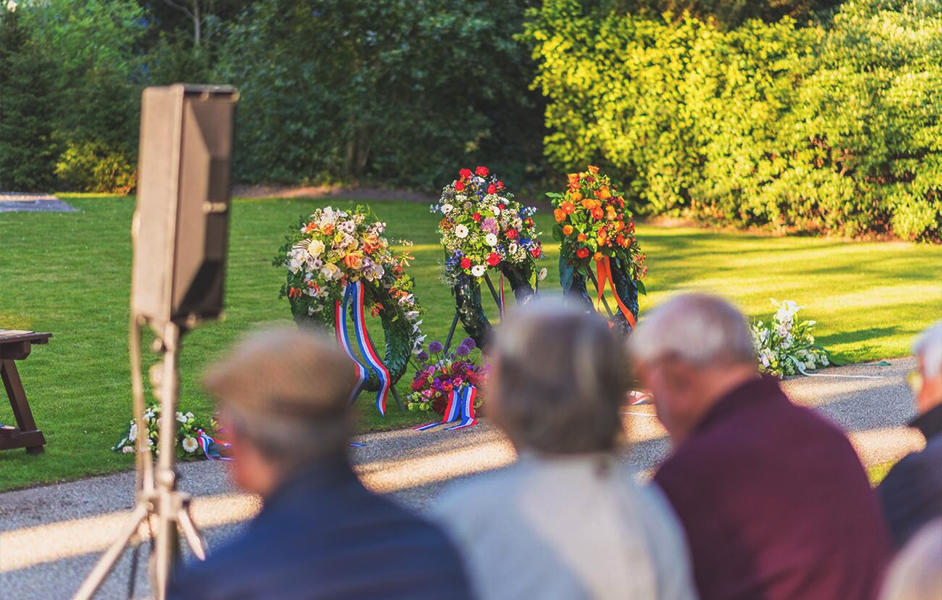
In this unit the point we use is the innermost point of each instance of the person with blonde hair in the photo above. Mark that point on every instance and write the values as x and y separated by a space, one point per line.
284 402
567 520
773 498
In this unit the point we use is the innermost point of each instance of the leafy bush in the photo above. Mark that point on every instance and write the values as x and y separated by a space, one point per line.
95 167
770 124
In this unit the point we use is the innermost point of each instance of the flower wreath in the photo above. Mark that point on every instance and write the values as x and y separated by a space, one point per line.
593 226
340 262
482 229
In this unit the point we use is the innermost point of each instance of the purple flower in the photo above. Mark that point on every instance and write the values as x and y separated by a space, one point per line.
489 225
469 343
435 347
423 356
463 350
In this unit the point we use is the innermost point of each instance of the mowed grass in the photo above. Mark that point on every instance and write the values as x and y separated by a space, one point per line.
69 274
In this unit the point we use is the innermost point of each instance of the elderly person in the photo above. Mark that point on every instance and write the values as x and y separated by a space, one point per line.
283 398
773 498
912 490
567 520
916 573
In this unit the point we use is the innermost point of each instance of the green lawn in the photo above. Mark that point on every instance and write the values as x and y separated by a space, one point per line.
69 274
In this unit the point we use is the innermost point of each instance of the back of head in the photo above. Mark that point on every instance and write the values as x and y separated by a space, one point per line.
287 392
558 381
928 347
916 573
699 329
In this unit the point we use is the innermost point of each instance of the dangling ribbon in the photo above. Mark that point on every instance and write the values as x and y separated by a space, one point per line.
343 338
460 408
604 268
367 350
211 446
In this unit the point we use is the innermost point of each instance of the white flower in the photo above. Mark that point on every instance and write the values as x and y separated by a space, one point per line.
415 327
419 341
331 271
410 300
181 417
513 248
490 239
542 275
412 314
348 227
127 449
496 210
461 231
478 270
190 444
447 208
315 248
132 435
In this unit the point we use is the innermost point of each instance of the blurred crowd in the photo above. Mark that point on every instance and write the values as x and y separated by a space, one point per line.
759 498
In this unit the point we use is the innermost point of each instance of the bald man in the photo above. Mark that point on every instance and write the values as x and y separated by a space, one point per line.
772 497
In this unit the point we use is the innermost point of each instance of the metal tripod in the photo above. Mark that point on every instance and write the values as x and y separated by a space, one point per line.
157 496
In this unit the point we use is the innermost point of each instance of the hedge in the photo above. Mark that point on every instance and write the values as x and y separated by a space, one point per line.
832 127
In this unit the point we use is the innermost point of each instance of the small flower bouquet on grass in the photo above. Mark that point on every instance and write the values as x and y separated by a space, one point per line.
785 346
438 373
188 428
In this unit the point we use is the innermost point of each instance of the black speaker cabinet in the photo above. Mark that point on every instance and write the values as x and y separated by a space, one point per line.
183 200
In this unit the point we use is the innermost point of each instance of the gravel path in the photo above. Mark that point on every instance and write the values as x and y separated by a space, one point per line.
50 536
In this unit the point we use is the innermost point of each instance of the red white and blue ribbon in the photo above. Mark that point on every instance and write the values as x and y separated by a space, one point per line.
366 347
211 446
460 408
343 338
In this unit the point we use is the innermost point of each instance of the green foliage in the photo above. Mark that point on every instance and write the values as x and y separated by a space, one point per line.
94 167
27 106
768 124
380 90
726 13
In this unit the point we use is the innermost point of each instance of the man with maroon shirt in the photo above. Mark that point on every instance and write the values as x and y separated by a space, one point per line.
773 499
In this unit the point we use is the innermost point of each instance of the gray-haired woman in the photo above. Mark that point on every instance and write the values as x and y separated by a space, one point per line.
567 520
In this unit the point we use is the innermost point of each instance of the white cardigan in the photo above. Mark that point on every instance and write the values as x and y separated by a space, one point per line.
567 528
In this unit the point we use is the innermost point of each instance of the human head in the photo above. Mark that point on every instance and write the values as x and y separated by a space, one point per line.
557 380
689 352
283 397
916 573
928 352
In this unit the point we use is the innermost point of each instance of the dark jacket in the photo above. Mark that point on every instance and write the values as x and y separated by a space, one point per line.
775 503
323 535
912 491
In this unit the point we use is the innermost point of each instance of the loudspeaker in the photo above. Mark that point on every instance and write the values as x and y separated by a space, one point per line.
183 200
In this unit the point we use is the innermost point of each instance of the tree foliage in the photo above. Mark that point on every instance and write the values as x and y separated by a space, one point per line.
820 129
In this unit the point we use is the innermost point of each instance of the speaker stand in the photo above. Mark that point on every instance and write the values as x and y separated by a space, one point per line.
157 495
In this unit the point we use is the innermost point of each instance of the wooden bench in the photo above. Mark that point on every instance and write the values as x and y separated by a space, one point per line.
14 346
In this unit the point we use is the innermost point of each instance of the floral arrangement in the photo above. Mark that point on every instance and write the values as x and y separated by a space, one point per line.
482 226
333 247
786 346
593 224
188 428
438 373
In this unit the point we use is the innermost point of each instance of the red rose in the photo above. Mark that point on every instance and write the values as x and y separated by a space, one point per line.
464 173
492 189
500 185
459 186
482 171
582 253
465 263
493 259
535 253
477 217
502 206
511 234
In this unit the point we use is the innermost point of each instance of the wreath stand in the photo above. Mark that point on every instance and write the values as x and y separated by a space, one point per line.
498 299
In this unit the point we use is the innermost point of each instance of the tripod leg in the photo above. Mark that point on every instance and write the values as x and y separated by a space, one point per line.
193 538
112 554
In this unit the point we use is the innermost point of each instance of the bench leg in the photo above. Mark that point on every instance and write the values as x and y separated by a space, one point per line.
32 439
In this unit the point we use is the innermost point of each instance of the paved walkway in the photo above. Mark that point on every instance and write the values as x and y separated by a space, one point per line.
51 536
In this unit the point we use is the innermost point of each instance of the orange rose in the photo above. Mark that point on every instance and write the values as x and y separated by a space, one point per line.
568 208
328 229
581 237
619 226
597 214
560 215
575 196
598 256
582 252
604 193
610 213
593 170
573 178
588 204
602 237
354 260
567 230
620 240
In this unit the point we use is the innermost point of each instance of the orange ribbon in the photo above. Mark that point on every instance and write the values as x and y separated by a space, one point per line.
604 269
